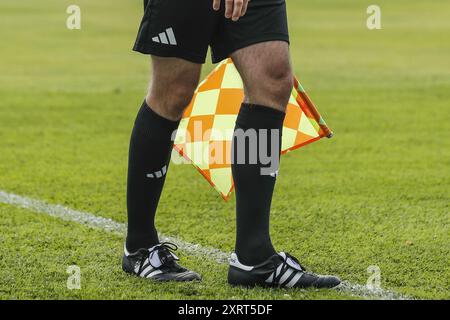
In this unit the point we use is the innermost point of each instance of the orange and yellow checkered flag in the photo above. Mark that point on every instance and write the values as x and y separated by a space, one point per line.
206 129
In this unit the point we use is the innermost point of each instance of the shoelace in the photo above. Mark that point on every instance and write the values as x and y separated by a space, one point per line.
285 266
166 252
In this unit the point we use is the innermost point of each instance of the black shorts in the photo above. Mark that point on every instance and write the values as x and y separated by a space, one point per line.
185 28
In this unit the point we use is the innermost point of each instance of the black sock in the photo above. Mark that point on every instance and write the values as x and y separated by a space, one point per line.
254 188
149 157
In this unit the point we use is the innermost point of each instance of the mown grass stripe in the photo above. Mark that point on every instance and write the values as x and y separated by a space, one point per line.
105 224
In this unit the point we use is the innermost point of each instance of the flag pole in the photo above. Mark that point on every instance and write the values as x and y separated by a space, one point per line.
311 109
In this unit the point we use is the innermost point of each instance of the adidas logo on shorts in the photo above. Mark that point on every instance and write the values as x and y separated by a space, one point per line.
166 37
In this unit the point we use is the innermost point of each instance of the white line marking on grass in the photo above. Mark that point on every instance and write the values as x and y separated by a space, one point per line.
359 290
105 224
96 222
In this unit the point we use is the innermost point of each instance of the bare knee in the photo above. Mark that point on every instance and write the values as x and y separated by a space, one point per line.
172 100
278 81
273 88
267 73
172 87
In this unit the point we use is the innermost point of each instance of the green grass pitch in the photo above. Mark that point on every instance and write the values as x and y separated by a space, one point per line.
375 194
